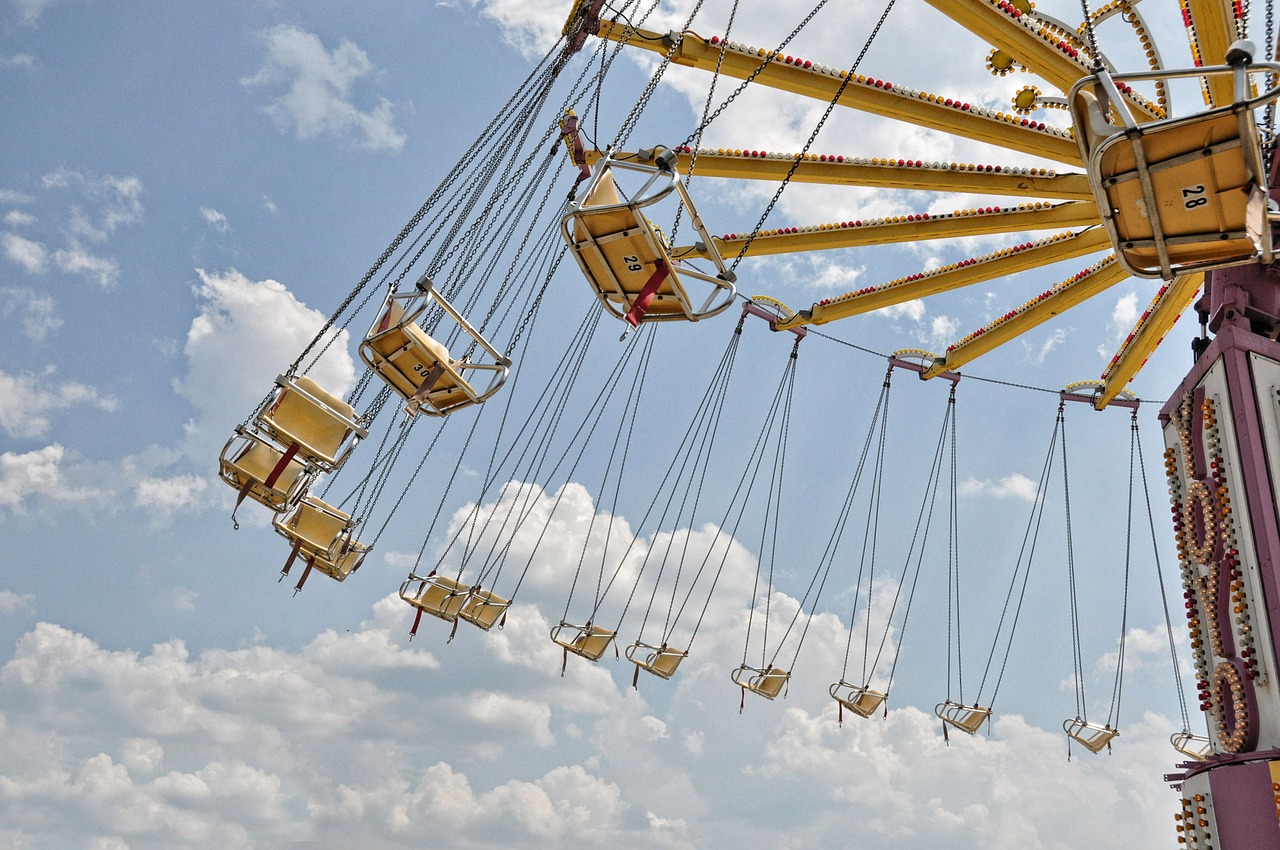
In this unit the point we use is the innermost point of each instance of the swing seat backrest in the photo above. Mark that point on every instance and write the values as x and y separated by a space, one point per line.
403 354
323 426
967 719
248 461
767 682
661 661
1177 194
483 608
316 527
1094 737
861 700
590 642
440 596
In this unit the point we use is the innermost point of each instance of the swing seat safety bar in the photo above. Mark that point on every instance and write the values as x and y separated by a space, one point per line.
1095 737
966 718
768 682
862 700
661 661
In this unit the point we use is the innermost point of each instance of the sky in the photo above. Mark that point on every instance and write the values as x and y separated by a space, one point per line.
187 191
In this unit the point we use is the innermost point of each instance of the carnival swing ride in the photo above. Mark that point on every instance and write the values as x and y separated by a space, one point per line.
1115 175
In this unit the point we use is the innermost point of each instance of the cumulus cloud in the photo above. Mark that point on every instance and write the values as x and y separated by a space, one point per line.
246 333
37 474
27 401
318 101
164 497
11 603
37 312
1015 485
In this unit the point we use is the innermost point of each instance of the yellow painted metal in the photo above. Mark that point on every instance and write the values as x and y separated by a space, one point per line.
1214 23
969 178
1170 303
1056 301
966 223
988 267
895 103
1032 43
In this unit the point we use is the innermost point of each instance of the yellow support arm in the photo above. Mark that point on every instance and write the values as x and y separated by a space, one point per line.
1035 45
1008 261
903 228
1213 28
1170 303
1062 297
879 97
877 172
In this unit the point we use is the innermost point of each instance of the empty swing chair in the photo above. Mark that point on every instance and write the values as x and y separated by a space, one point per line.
627 260
420 368
1179 194
262 471
316 426
439 596
324 537
661 661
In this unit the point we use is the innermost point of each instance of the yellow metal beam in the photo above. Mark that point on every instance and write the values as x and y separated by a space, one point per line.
1009 261
876 96
1062 297
1170 302
1037 46
878 172
903 228
1213 28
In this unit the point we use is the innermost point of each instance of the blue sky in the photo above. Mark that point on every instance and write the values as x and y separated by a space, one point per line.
187 190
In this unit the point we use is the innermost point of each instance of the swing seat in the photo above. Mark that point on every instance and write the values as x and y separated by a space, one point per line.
767 682
439 596
323 427
248 462
317 528
341 563
419 367
1195 747
626 259
966 718
1093 736
661 661
589 641
860 699
483 608
1178 194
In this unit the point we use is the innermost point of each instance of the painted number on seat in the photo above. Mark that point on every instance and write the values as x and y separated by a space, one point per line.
1193 196
633 264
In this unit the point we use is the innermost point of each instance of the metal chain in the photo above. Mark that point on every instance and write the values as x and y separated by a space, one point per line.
844 83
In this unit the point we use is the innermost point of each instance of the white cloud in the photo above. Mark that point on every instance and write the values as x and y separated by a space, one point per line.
164 497
38 312
78 260
1015 485
11 603
943 331
1038 356
31 255
19 218
36 473
18 60
913 310
27 401
31 10
215 219
12 196
246 333
1124 316
116 201
318 101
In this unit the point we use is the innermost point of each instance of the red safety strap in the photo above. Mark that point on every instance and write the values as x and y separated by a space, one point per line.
647 293
416 620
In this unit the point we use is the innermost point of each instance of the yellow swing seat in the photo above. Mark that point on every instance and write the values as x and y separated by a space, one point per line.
1178 194
1194 747
626 259
1094 736
589 641
661 661
768 682
966 718
324 536
437 595
862 700
418 367
323 427
257 468
484 608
